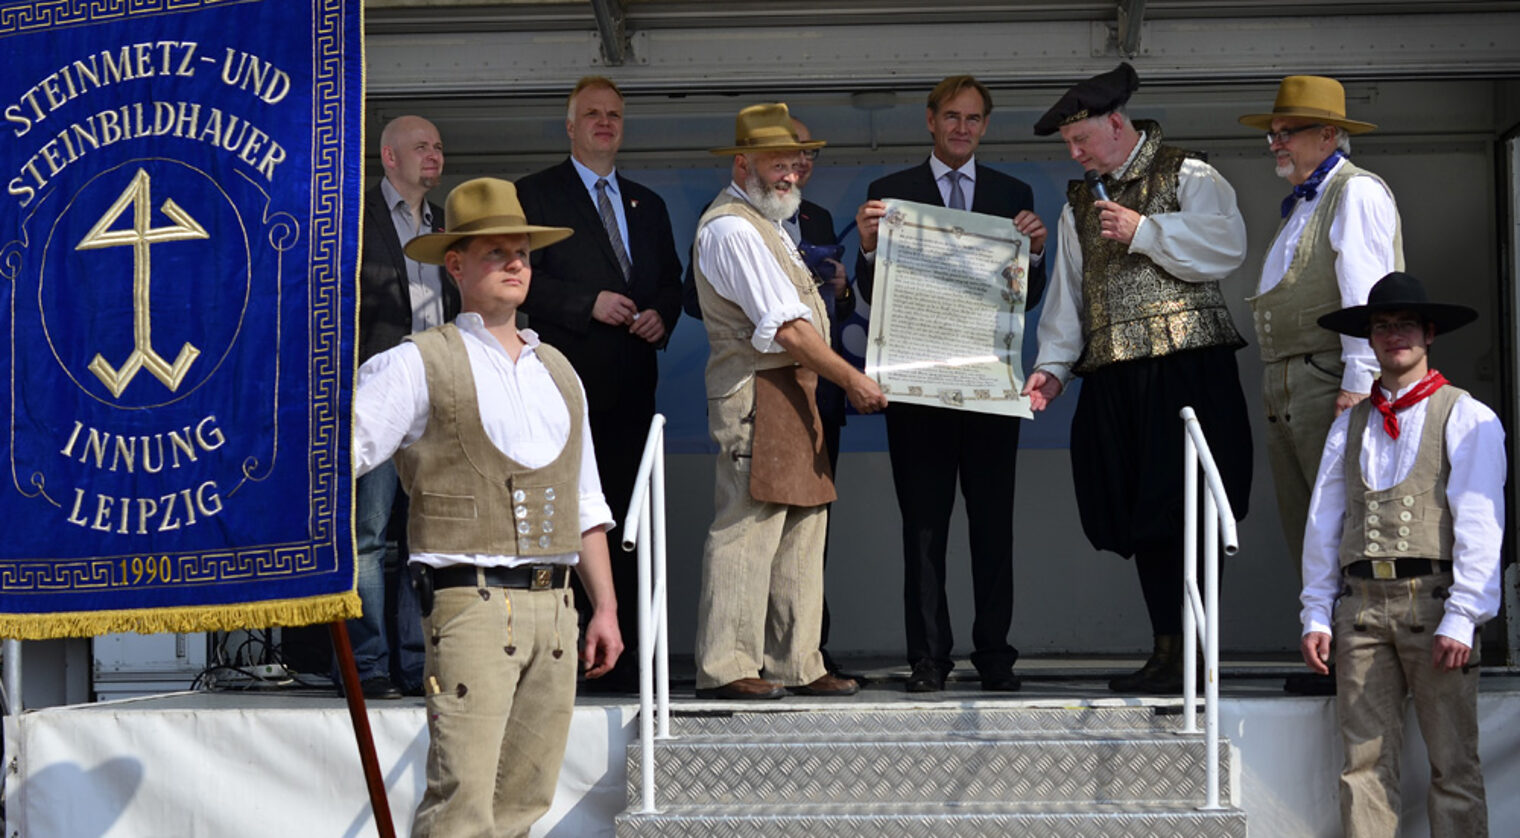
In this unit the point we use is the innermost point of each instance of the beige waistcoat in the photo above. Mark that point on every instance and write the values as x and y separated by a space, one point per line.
1286 317
1409 519
466 495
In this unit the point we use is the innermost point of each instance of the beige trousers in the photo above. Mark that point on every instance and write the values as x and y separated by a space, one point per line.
1300 401
1383 636
761 605
500 683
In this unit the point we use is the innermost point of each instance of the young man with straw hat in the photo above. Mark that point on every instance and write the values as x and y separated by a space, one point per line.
762 566
482 418
1402 545
1339 234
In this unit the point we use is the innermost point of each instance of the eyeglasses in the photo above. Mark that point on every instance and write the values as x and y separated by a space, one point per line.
811 153
1396 327
1275 137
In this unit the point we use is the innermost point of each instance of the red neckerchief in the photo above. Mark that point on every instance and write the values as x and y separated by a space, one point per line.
1432 382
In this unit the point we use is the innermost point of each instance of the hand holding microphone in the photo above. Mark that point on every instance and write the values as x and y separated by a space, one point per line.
1114 221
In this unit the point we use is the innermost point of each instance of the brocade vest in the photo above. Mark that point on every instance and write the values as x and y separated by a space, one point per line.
1286 316
1409 519
1134 309
466 495
733 361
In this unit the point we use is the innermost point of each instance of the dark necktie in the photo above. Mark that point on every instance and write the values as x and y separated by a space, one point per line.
957 197
1310 187
1432 382
609 220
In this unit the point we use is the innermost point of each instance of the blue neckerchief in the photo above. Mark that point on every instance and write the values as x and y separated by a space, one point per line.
1310 187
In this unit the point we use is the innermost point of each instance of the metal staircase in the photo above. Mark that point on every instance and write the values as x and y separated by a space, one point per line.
974 769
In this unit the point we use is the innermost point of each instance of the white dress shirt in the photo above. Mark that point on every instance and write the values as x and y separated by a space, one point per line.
614 195
968 179
1362 235
1204 241
424 282
742 269
1474 494
521 408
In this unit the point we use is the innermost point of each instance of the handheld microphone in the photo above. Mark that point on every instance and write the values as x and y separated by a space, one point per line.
1095 184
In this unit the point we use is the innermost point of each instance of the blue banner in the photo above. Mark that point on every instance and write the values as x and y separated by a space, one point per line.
178 251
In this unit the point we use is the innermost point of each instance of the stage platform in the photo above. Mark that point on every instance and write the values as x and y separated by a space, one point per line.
283 762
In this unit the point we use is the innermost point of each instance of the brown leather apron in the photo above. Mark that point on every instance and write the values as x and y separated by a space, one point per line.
789 464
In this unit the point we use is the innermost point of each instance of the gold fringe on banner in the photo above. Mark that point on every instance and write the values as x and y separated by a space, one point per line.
265 614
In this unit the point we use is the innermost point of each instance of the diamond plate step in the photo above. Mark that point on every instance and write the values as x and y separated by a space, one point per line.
990 767
805 721
1130 820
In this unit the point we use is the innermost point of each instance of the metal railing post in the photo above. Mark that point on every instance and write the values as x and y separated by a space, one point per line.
1200 616
12 677
644 528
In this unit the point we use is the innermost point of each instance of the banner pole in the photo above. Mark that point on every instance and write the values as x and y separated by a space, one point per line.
355 696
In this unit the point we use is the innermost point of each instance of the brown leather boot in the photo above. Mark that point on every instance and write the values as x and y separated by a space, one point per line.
1161 674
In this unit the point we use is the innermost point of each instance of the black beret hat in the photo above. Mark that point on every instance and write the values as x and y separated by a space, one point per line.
1092 97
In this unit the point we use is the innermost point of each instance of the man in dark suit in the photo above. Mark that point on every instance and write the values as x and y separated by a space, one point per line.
608 304
397 296
930 447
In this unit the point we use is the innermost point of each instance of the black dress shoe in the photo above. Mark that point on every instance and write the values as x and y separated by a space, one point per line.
379 688
1002 681
926 677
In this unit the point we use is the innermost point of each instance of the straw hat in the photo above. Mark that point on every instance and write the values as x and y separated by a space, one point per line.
766 128
1309 97
485 206
1397 291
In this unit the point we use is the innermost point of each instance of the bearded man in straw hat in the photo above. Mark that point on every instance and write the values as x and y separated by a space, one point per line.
1402 544
483 418
762 567
1339 234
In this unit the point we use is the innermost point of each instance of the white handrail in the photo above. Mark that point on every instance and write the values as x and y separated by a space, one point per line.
644 528
1200 613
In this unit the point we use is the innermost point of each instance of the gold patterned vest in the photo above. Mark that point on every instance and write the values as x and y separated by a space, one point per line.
733 359
1411 518
1286 317
466 495
1134 309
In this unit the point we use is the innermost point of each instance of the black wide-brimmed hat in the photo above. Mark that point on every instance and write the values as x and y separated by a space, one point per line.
1398 291
1088 98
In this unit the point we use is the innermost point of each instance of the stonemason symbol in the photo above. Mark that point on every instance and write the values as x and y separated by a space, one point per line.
142 236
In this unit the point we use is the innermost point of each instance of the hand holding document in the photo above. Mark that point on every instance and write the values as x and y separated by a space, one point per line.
947 325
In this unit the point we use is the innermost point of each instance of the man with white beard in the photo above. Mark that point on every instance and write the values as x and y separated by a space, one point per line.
762 566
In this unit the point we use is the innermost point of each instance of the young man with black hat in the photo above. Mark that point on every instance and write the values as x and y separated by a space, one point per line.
1134 307
1339 234
1402 545
490 434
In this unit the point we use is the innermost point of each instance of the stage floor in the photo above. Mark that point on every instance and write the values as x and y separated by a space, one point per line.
283 762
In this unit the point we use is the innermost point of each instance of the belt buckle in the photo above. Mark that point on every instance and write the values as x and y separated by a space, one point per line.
1384 569
543 578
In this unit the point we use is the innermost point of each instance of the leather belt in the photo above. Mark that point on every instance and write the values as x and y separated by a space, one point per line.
534 577
1396 568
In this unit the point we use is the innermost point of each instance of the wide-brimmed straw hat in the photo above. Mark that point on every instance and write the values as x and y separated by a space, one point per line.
760 128
1309 97
1397 291
485 206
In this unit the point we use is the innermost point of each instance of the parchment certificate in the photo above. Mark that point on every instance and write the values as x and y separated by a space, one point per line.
947 323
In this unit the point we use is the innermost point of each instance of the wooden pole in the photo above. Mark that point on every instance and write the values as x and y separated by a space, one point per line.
355 695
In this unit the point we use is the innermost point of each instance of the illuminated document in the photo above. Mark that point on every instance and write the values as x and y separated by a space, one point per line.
947 321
